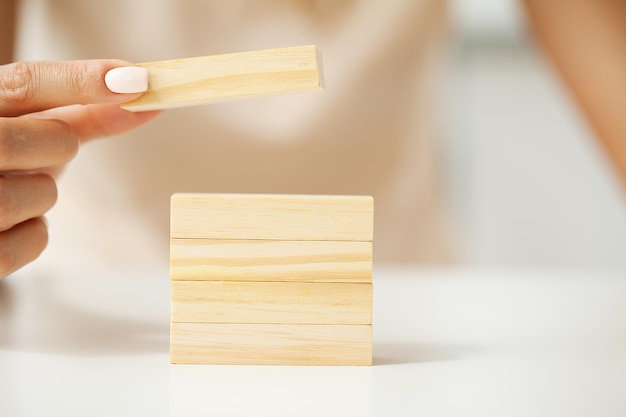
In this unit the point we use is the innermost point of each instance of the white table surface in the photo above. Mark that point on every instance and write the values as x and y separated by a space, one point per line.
446 343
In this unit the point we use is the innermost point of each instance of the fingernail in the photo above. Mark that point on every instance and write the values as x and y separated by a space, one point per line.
127 80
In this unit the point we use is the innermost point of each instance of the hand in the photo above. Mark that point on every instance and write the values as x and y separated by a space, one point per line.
46 110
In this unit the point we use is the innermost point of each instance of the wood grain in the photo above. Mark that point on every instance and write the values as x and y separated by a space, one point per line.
192 81
271 302
270 344
270 260
272 217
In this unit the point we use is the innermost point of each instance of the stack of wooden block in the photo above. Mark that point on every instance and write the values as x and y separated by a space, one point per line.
271 279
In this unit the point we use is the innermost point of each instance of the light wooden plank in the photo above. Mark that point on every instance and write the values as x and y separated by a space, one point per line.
270 344
272 217
192 81
270 260
271 302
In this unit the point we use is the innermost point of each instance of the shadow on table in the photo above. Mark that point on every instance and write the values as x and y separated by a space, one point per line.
34 320
399 353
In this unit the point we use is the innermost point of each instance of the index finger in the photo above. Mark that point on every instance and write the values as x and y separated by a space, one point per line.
27 87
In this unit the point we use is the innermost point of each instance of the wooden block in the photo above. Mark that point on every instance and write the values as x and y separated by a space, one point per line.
270 260
271 302
192 81
270 344
272 217
271 279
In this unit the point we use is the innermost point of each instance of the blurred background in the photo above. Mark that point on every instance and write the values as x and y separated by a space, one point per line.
527 185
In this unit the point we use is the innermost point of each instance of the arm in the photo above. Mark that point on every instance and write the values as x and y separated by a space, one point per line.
7 30
586 39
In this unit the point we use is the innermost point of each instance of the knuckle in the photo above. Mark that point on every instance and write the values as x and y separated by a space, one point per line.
16 83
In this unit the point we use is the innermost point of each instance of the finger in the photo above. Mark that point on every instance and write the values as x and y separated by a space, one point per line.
97 120
25 196
27 143
27 87
22 244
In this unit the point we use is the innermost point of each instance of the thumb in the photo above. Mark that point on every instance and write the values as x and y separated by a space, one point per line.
27 87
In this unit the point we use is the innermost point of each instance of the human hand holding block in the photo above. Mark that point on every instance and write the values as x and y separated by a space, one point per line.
193 81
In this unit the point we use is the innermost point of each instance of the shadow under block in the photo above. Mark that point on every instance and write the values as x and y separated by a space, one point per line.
271 279
191 81
271 344
271 302
272 217
270 260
